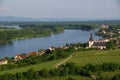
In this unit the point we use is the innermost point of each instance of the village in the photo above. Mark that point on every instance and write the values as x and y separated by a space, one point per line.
19 57
97 44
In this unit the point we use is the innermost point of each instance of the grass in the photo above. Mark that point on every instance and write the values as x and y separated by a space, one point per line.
46 65
110 74
96 57
80 58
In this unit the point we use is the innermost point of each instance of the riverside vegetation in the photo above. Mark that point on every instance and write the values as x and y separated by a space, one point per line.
38 30
7 34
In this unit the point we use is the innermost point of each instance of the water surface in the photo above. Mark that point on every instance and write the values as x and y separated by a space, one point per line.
9 49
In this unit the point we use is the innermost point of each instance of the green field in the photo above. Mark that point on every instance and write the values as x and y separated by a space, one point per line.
96 57
46 65
80 58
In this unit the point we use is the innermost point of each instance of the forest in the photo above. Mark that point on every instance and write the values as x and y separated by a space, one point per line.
7 34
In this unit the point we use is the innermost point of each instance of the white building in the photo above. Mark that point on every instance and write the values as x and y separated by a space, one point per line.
3 61
100 44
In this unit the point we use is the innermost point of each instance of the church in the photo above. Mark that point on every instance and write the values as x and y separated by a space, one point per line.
99 44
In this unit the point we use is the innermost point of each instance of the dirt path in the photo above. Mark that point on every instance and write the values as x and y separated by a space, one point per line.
94 77
57 65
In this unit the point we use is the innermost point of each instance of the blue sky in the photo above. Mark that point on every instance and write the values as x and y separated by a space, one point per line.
95 9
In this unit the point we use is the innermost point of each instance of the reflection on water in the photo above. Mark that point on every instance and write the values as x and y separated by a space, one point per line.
34 44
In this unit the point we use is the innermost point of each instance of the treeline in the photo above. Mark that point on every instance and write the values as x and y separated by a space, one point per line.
82 27
66 70
28 32
37 30
54 28
66 26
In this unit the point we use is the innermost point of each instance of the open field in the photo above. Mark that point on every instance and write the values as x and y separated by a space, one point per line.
95 57
80 58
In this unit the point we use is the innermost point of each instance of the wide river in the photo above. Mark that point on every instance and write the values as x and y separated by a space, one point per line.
9 49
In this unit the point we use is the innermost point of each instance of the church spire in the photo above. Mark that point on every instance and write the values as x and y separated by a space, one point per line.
91 37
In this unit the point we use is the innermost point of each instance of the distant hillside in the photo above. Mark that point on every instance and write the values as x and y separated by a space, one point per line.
12 18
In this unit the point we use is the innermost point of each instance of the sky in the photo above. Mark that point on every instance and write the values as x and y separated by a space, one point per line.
89 9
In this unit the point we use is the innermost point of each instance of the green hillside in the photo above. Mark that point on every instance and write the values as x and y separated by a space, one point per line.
96 57
80 58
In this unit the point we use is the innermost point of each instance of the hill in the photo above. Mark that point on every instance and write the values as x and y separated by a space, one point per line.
80 58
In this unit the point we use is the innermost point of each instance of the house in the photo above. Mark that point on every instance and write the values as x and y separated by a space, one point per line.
32 53
103 31
118 30
41 52
18 57
47 51
65 47
52 48
104 26
100 44
3 61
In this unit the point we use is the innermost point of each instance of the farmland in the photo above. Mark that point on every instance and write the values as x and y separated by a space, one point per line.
80 58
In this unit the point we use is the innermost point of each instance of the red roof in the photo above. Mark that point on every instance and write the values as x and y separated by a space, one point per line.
18 55
32 53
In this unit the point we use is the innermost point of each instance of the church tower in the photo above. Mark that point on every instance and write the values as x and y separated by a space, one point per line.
91 41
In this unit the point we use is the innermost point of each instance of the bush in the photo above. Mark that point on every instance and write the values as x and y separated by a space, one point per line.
116 77
70 78
110 66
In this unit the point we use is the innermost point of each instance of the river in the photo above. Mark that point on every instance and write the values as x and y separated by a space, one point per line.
9 49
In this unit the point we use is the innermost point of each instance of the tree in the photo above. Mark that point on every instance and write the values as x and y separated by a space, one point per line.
110 45
85 72
19 76
29 74
55 72
116 77
44 73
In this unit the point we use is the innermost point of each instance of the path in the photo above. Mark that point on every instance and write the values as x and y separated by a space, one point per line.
94 77
57 65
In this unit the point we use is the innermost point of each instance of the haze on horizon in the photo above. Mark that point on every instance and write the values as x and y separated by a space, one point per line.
89 9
